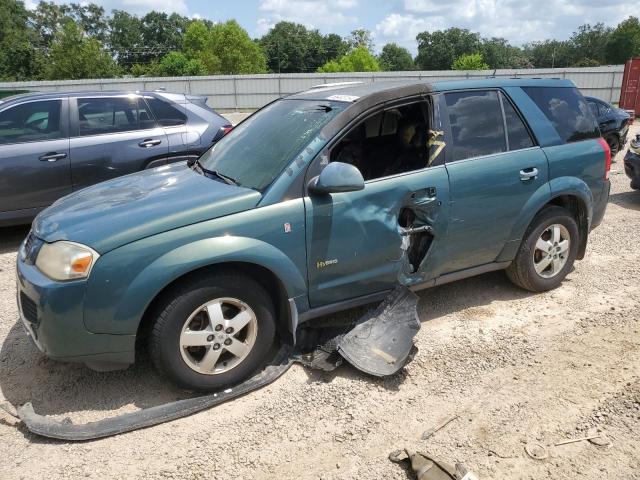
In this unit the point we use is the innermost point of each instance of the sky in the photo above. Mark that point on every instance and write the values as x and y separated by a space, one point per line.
400 20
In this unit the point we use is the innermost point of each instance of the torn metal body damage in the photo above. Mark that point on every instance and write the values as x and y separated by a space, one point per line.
379 344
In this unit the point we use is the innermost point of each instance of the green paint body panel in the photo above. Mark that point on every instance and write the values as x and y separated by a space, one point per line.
154 227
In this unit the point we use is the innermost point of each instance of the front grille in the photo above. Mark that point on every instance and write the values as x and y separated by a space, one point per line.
29 241
31 247
29 308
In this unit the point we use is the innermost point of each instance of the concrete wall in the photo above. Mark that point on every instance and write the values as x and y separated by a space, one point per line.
249 92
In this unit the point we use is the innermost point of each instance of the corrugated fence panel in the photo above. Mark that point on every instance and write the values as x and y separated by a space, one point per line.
249 92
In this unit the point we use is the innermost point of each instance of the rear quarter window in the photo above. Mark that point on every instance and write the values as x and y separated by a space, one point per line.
167 115
567 110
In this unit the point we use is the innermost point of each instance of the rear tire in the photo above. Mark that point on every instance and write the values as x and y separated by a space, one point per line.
614 145
212 331
544 259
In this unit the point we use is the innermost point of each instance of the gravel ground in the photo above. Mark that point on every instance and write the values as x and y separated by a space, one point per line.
516 368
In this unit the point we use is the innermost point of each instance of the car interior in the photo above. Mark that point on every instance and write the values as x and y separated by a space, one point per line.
109 115
389 142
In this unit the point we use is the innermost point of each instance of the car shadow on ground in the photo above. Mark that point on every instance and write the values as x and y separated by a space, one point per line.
471 294
11 238
62 389
630 199
56 388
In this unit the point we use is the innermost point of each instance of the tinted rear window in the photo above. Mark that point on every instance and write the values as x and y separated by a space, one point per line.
166 114
567 110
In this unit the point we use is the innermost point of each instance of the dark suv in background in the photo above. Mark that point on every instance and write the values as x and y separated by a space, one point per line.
54 143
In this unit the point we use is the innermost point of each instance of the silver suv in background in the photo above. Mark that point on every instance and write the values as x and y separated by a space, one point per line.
52 144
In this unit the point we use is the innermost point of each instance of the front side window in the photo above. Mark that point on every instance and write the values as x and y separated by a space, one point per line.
567 110
477 127
387 143
98 116
31 122
258 149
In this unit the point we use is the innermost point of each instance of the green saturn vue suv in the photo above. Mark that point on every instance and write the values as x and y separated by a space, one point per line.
320 201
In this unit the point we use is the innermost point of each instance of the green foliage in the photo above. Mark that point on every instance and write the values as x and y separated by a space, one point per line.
39 44
498 53
176 64
358 59
550 53
438 50
589 44
223 48
49 18
74 55
291 47
624 41
125 39
394 58
361 37
470 61
19 58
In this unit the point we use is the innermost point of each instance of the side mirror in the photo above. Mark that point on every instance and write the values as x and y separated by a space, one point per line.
337 177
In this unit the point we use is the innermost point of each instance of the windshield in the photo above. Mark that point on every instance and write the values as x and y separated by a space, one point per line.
258 149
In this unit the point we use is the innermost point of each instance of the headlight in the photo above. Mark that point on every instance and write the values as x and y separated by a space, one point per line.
66 260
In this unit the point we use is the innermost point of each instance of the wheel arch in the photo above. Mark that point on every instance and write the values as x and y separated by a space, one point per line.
578 208
272 284
121 310
567 192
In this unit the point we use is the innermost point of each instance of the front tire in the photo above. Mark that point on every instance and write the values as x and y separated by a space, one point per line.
547 252
212 331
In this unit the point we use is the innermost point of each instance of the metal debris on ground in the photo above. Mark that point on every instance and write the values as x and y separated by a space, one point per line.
428 468
429 433
576 440
536 451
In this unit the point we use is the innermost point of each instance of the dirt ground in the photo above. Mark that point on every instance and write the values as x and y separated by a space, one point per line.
518 369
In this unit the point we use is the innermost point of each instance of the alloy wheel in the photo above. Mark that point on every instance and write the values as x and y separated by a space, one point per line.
551 251
218 336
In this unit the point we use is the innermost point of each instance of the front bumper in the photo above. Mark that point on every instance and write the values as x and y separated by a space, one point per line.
632 168
53 316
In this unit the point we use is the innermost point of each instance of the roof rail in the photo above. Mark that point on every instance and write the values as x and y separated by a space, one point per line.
336 84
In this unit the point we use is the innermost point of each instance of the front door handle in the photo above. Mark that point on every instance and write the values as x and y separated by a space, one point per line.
52 157
528 174
149 142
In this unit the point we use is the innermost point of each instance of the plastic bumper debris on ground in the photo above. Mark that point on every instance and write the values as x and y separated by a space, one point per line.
380 344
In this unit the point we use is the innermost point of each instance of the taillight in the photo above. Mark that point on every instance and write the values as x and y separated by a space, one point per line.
226 130
607 157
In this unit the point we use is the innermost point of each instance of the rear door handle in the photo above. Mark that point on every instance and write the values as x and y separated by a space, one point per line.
528 173
52 157
149 142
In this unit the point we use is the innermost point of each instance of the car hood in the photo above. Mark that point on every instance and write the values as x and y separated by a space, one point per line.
119 211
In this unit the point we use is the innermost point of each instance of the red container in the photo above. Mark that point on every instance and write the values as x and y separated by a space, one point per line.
630 91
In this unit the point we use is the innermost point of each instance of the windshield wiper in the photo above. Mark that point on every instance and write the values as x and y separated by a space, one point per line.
225 178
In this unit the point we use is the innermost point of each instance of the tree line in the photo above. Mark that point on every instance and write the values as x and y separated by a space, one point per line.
80 40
